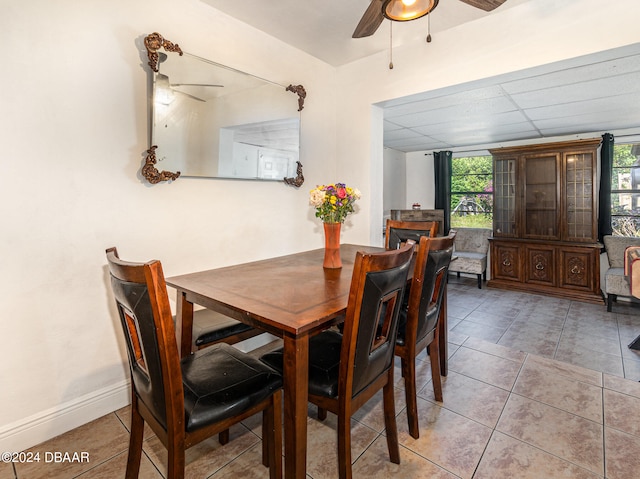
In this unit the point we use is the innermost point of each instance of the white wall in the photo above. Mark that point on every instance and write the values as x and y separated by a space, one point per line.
407 179
394 180
74 133
420 180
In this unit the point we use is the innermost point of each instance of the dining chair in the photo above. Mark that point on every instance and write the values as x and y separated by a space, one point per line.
346 370
188 400
418 326
397 231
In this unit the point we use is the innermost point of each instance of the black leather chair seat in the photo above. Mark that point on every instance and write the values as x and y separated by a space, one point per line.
324 363
220 381
212 327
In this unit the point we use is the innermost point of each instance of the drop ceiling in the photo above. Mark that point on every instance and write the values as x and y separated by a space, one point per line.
583 96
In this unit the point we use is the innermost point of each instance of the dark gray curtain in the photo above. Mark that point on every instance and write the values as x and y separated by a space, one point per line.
604 208
442 173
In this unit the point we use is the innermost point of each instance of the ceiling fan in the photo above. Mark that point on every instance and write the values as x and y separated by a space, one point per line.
404 10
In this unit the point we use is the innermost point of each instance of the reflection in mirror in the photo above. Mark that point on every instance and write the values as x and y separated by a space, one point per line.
213 121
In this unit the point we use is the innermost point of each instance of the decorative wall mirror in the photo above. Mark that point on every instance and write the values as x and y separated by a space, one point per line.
209 120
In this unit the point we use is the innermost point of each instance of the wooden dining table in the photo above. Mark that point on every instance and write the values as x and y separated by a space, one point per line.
292 297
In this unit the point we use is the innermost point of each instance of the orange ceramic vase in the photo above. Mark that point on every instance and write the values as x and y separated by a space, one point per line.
332 246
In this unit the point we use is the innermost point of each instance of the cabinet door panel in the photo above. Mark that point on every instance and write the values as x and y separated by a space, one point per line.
579 197
507 262
577 268
541 197
505 174
541 265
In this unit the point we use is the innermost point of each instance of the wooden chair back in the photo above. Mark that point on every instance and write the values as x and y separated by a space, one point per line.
421 319
158 390
398 232
375 300
141 297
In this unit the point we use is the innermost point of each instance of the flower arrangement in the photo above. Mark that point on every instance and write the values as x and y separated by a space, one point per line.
333 202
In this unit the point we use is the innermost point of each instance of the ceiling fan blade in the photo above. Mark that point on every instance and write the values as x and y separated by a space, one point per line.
486 5
370 21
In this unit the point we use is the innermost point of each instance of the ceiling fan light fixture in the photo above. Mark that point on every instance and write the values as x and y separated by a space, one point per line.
405 10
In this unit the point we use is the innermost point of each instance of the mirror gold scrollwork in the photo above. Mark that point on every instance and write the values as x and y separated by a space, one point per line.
213 121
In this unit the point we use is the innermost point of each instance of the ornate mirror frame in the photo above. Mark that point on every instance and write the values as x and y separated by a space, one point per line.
154 43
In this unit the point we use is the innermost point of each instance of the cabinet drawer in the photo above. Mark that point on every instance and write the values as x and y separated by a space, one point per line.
540 263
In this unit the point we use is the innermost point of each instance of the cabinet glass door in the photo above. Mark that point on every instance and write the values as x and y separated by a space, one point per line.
579 196
504 197
541 204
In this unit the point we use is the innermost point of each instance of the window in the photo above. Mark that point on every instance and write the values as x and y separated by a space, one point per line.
625 190
472 192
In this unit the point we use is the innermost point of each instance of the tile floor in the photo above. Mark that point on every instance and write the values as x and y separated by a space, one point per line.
536 390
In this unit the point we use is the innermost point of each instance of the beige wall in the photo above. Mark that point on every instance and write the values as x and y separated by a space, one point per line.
74 133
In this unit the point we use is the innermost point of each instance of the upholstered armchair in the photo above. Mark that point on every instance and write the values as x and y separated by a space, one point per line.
471 249
615 283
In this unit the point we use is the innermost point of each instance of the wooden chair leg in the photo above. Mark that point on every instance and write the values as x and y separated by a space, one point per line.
267 425
479 281
135 441
274 435
410 393
223 437
344 446
434 357
390 420
175 453
403 367
322 414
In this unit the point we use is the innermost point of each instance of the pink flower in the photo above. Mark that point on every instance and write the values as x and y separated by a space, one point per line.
342 193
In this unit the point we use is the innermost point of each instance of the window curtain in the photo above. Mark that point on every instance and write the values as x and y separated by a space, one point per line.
442 174
604 203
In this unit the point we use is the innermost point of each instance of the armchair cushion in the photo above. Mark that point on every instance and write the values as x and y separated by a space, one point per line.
472 240
466 262
615 246
616 283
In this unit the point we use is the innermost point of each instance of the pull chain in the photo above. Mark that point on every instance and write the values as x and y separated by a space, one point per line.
428 28
390 45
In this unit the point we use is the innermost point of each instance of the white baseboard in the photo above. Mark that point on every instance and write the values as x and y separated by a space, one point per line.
33 430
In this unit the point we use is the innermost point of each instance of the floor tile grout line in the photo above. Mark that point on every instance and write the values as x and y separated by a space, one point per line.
544 451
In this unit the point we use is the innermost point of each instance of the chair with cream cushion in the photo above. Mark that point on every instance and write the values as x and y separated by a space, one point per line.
470 255
615 283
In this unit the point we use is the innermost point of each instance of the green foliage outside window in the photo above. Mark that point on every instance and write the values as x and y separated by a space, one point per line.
472 192
625 190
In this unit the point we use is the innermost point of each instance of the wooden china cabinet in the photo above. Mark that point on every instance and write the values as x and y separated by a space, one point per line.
545 220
